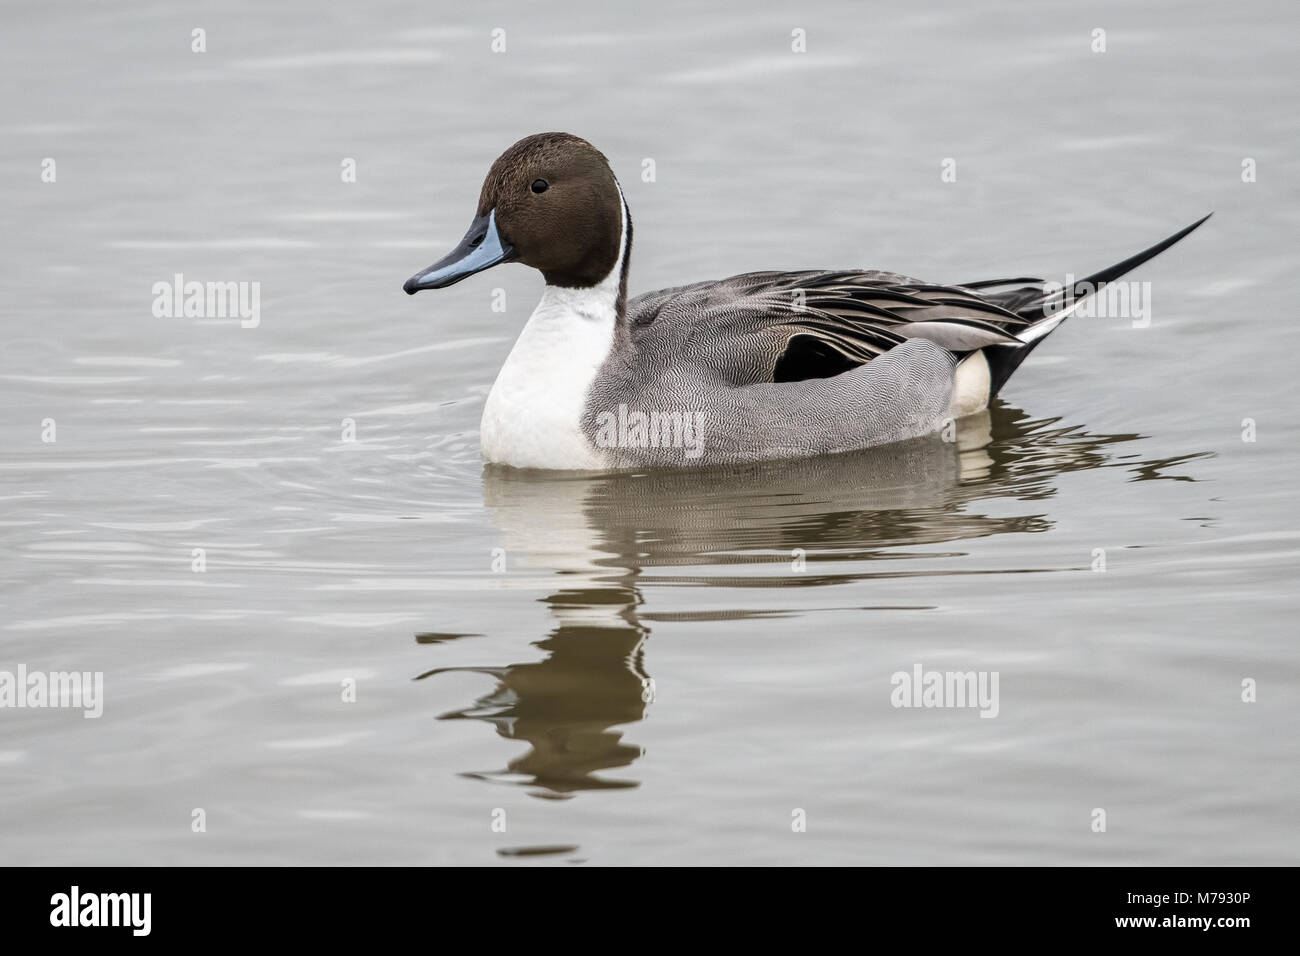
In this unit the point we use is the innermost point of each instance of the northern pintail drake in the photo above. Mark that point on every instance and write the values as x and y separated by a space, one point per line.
760 366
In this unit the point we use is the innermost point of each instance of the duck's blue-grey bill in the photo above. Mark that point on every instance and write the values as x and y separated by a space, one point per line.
481 249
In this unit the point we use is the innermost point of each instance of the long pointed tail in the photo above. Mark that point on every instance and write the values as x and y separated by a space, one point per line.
1047 310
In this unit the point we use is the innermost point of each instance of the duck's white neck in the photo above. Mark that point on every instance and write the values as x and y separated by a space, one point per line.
533 415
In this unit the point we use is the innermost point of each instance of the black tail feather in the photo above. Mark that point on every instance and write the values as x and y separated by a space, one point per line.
1043 310
1087 286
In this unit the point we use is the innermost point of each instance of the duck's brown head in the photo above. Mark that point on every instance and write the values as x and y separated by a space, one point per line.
551 202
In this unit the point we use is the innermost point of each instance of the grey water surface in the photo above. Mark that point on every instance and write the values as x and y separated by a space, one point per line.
654 668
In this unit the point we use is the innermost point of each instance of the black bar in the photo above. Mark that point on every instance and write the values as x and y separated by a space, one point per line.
245 904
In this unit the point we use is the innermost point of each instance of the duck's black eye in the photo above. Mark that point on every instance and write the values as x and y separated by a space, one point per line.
540 185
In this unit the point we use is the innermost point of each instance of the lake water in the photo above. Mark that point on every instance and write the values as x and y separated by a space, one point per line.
659 668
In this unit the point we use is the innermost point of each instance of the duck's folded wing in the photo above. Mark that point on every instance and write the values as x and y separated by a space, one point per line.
792 326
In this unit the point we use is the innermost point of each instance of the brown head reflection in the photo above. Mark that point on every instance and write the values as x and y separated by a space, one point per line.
570 707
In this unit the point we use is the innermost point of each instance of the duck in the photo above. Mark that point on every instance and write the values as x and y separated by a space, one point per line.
758 367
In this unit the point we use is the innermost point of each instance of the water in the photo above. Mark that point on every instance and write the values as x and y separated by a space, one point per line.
669 666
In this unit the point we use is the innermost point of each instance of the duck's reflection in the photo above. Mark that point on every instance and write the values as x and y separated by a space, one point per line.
568 705
762 526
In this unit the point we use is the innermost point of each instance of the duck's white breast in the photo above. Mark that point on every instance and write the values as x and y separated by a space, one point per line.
533 416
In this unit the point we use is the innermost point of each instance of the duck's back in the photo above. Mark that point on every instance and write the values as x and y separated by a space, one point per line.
779 327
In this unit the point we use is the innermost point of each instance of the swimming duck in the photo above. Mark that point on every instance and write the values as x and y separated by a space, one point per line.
760 366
